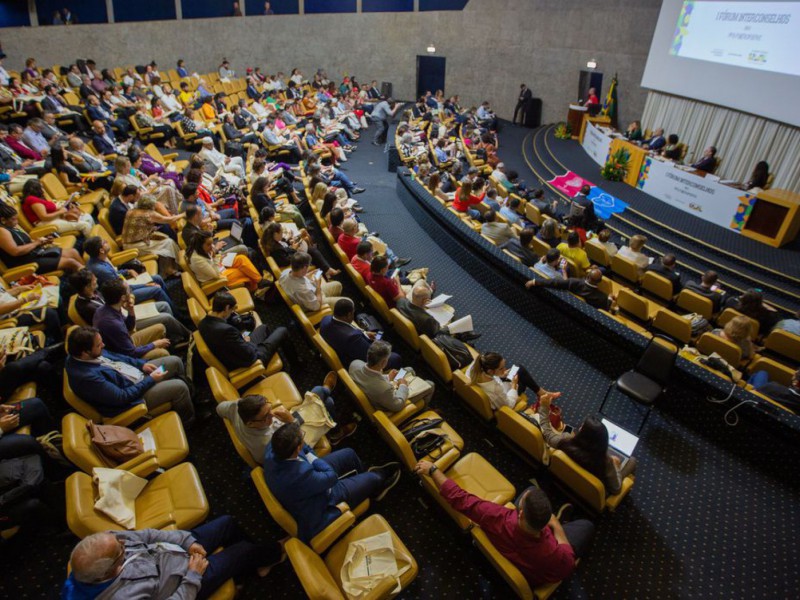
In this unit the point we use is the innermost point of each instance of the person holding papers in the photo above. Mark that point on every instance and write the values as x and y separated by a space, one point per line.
113 383
431 317
347 339
119 330
236 268
588 447
27 305
389 392
504 385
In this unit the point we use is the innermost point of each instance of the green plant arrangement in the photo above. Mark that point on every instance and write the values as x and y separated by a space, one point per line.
563 131
616 166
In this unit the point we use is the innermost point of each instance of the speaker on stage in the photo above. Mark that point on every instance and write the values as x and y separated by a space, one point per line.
533 113
386 89
589 79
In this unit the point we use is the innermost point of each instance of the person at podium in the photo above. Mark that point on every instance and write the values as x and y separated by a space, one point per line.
657 141
593 100
708 162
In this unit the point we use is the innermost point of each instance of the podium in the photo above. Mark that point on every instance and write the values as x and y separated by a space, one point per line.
774 218
599 120
575 118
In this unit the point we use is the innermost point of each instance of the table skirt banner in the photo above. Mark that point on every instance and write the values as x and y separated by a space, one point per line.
596 144
702 197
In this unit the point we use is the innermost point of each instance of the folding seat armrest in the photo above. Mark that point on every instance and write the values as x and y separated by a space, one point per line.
169 157
42 230
214 286
129 416
324 539
123 256
17 273
243 376
146 466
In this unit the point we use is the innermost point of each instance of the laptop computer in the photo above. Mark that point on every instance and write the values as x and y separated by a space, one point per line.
235 237
620 442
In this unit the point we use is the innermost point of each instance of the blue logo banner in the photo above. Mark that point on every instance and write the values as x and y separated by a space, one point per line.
605 204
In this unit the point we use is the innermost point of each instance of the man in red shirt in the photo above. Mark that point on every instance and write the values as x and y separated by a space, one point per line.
14 141
362 260
388 288
348 240
531 537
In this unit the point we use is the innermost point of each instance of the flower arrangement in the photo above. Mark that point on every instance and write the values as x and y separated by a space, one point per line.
616 166
563 131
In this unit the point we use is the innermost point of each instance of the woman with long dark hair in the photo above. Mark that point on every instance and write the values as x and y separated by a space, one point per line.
489 372
588 447
751 304
274 244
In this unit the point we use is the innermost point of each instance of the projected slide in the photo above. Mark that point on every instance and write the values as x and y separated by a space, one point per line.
754 35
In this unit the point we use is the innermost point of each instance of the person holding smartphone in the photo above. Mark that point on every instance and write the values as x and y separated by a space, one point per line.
490 373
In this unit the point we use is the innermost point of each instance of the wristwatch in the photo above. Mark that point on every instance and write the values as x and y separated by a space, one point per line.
432 470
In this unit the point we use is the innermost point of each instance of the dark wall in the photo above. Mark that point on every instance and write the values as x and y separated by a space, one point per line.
14 13
330 6
143 10
387 5
279 7
84 11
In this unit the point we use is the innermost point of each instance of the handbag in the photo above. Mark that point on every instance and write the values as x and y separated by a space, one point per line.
316 419
115 445
367 322
456 351
245 322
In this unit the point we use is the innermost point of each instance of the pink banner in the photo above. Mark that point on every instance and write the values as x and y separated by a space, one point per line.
569 183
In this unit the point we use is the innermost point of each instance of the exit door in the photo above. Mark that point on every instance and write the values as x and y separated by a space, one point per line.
430 74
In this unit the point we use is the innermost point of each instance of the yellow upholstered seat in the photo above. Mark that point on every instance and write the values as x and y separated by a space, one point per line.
405 328
586 486
658 285
597 253
202 293
123 419
777 372
168 434
328 354
730 352
321 580
409 410
633 305
785 344
172 500
625 268
443 457
323 540
673 325
527 436
238 377
476 397
693 302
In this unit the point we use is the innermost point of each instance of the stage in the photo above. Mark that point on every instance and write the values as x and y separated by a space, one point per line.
538 156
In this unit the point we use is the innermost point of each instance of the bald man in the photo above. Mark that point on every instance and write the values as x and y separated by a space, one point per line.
587 288
151 563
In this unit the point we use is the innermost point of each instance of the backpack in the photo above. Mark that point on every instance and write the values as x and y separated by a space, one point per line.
699 323
367 322
456 351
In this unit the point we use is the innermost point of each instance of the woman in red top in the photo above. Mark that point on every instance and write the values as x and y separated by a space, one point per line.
40 211
464 199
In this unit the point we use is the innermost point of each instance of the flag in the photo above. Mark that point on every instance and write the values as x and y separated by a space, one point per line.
605 204
610 107
569 183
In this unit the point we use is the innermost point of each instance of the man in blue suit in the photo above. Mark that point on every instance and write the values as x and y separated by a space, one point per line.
103 138
657 141
113 383
310 487
347 340
97 111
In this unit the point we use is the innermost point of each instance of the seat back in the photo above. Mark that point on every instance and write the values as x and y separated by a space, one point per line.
196 312
154 153
102 219
53 187
539 247
597 253
784 343
512 575
527 436
356 277
328 353
193 290
310 569
730 352
77 443
625 268
673 325
278 513
436 359
694 302
379 304
473 395
588 487
221 387
405 328
395 439
777 372
73 314
634 305
658 285
207 356
81 406
729 313
658 360
357 393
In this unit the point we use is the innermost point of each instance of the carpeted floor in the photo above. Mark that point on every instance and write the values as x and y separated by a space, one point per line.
713 512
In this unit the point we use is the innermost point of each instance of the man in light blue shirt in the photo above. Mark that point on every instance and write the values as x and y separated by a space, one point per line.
551 265
382 114
33 138
509 211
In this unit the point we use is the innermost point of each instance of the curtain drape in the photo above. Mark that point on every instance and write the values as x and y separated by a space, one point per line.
741 139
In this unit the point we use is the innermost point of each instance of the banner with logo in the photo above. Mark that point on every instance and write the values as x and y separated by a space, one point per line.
605 204
702 197
596 143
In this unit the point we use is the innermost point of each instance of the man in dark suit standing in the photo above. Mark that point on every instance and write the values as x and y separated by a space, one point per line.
523 103
347 339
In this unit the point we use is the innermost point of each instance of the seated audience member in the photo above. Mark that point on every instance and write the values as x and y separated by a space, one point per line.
509 211
88 300
12 301
751 304
604 238
310 294
666 267
522 248
155 563
255 419
552 265
233 166
634 131
236 350
139 232
464 200
708 162
119 331
363 259
488 371
201 256
787 396
572 250
656 141
586 288
195 224
40 211
707 287
100 264
388 288
633 251
347 339
30 412
426 324
673 149
737 331
549 233
496 231
120 206
581 206
588 447
530 536
309 487
547 209
385 392
113 383
281 251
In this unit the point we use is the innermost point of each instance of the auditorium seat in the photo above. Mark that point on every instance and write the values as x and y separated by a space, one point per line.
475 397
174 499
633 305
437 360
409 410
729 313
314 317
673 325
777 372
323 540
202 293
695 303
524 434
123 419
730 352
322 579
586 487
238 377
658 286
328 354
785 345
539 247
625 269
405 329
379 304
117 255
597 253
395 437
